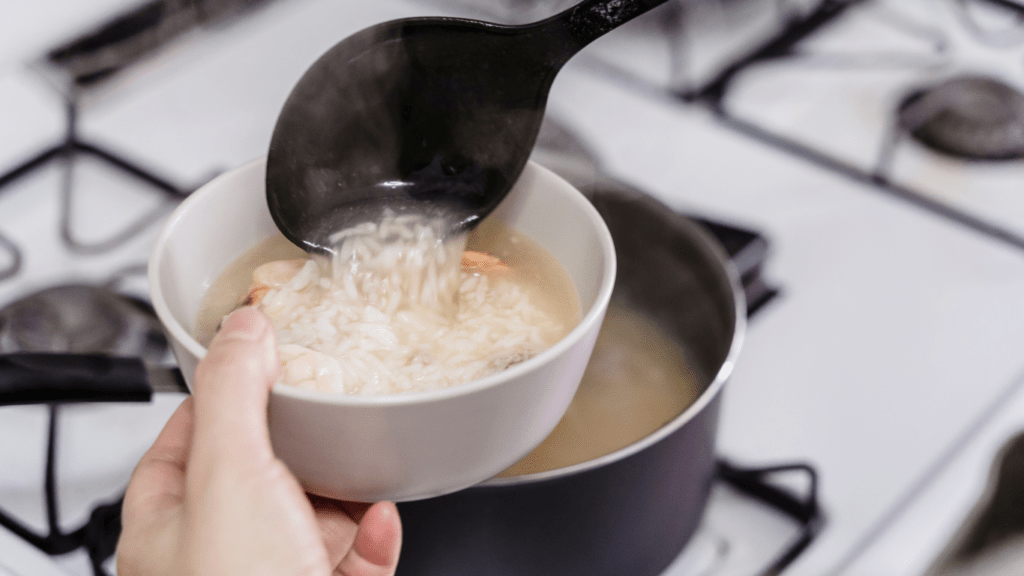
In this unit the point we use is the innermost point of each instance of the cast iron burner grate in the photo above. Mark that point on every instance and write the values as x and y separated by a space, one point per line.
802 508
79 319
970 117
965 133
88 65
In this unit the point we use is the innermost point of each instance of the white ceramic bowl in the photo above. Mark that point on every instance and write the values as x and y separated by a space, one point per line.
414 445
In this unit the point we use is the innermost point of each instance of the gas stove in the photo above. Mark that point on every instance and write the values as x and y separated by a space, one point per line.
921 99
889 361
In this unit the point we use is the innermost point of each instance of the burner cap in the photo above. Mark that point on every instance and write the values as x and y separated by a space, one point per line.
81 319
969 117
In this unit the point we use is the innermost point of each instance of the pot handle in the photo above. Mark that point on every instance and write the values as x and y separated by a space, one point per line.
44 378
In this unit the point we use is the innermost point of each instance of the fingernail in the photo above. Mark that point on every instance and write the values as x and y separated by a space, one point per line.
244 323
247 323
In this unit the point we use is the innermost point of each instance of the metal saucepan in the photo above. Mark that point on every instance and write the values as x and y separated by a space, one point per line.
633 510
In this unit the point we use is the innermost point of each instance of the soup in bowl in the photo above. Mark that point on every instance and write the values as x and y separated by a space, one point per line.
406 445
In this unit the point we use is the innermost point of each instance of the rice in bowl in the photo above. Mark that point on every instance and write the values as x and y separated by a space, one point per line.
399 309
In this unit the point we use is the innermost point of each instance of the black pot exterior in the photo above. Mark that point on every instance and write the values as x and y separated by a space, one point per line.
630 512
632 516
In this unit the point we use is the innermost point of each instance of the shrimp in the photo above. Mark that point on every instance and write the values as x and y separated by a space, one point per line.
280 272
305 368
271 275
483 262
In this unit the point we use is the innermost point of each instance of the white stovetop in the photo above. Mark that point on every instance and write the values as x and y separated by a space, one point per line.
893 360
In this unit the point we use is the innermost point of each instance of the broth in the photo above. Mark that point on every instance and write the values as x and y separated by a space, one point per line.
232 285
637 381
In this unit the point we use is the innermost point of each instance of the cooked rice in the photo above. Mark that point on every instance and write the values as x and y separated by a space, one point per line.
399 314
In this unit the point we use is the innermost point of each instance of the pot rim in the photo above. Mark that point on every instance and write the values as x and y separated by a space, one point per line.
706 397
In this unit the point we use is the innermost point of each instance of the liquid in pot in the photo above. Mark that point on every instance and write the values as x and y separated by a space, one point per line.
637 380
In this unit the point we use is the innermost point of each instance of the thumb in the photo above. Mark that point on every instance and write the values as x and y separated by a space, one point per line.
231 391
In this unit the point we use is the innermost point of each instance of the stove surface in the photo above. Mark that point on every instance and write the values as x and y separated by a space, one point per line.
829 90
890 360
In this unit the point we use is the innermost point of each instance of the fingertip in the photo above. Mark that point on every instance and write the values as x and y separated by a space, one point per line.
249 324
377 544
245 322
379 540
241 330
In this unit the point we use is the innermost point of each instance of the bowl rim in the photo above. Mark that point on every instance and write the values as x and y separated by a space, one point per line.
593 315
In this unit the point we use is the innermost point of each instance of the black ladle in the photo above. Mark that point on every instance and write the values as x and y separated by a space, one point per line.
426 114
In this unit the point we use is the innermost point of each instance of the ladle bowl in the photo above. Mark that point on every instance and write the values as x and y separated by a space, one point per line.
434 115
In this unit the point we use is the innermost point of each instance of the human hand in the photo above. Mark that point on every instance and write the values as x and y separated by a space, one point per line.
210 498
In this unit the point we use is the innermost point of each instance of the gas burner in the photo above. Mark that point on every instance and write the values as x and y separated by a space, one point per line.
78 318
970 117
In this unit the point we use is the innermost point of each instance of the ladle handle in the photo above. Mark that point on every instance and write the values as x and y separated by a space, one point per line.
591 19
